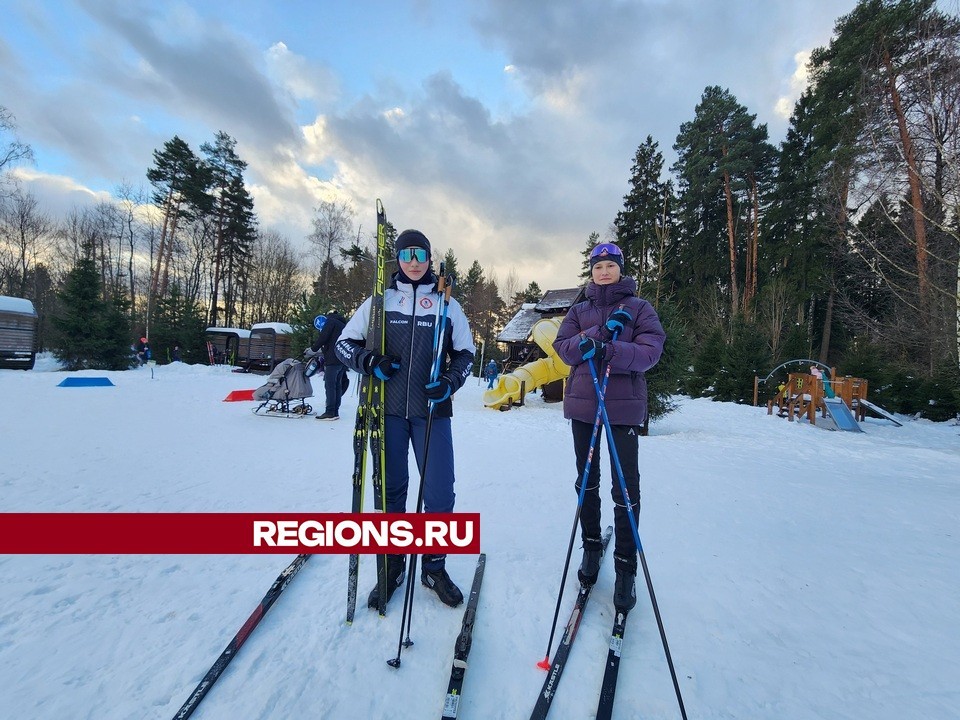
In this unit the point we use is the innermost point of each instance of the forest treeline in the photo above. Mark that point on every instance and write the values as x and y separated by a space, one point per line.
840 244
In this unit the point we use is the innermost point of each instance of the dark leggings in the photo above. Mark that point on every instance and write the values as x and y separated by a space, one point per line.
626 439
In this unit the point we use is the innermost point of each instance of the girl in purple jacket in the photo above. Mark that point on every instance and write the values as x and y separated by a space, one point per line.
587 332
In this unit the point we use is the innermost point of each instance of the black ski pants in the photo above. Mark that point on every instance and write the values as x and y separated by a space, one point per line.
626 440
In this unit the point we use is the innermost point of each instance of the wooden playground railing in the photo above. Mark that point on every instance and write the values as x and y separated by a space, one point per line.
802 395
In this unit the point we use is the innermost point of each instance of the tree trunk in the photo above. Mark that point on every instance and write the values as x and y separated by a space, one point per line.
731 238
165 278
755 249
155 276
217 249
827 324
916 196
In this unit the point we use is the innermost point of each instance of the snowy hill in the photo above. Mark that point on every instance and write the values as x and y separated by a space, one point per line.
800 573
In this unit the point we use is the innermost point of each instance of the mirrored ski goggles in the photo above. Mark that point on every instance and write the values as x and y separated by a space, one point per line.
605 249
413 253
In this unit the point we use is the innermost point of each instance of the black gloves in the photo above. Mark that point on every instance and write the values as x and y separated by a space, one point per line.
591 349
382 367
440 390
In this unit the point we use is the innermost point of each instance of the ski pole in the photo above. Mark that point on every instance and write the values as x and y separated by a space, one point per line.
636 537
443 298
594 441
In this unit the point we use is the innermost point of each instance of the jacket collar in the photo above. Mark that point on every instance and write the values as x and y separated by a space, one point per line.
608 295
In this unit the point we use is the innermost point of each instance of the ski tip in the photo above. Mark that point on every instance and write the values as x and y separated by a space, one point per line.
544 664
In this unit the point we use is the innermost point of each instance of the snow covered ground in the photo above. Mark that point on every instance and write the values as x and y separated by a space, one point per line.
800 573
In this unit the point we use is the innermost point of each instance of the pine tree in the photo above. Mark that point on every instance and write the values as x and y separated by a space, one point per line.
91 333
667 377
743 358
592 242
231 208
641 221
721 156
178 323
180 182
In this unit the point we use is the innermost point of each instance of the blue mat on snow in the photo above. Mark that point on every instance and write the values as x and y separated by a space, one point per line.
86 382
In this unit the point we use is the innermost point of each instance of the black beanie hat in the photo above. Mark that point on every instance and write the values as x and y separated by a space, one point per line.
412 238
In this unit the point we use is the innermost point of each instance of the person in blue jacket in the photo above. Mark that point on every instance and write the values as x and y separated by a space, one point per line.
410 315
491 372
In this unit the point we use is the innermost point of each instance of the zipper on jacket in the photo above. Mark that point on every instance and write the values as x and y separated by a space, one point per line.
413 329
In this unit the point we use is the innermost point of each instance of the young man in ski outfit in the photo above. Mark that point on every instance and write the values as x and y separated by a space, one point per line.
334 371
410 315
612 306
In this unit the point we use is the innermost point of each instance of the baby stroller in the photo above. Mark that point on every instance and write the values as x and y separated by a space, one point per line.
285 392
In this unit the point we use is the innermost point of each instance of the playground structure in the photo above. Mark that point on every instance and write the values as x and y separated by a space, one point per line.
807 395
511 387
531 361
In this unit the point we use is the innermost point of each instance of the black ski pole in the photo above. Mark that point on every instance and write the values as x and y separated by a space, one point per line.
636 537
594 441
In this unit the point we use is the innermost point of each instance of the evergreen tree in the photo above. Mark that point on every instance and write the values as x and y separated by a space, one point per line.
239 236
180 183
306 310
592 241
231 208
471 282
668 376
721 156
743 358
707 365
91 333
450 268
642 220
79 324
531 294
178 322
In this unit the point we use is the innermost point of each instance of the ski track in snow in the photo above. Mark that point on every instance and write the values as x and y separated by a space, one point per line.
800 573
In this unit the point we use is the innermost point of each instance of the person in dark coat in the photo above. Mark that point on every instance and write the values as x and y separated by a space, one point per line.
587 332
410 316
334 371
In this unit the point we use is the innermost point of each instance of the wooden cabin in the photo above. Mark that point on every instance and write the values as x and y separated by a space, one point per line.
268 345
228 346
18 333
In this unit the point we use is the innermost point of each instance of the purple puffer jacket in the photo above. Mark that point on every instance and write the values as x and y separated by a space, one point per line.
636 350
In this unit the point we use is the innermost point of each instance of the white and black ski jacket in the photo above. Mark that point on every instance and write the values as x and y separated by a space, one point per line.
410 315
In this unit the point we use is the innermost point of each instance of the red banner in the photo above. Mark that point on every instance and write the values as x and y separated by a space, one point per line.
238 533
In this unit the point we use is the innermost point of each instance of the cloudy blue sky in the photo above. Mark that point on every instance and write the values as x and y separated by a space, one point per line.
504 129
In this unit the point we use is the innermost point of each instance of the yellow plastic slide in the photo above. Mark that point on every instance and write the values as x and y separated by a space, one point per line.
534 374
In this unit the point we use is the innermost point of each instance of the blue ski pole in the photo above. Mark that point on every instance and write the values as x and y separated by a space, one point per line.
602 408
594 440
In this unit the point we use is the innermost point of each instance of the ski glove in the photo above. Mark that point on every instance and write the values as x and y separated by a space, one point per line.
440 390
591 349
618 319
382 367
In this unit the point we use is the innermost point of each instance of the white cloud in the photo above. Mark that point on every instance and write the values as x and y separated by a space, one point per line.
798 83
58 194
301 78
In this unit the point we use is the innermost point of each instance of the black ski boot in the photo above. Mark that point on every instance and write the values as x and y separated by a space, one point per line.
396 570
624 587
438 581
590 565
